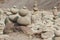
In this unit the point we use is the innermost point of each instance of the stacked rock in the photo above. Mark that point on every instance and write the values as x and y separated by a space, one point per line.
55 11
25 17
12 15
14 10
36 14
31 23
2 25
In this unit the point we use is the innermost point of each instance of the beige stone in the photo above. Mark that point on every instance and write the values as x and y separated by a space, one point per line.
57 32
9 27
23 12
1 11
55 11
36 38
48 39
57 38
27 30
48 34
49 27
24 20
14 10
1 28
57 21
36 17
37 27
1 32
4 37
8 13
13 17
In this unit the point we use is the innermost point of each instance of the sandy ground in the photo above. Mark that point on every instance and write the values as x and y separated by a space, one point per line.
45 4
19 36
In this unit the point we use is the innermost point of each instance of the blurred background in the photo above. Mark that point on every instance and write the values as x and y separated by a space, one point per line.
42 4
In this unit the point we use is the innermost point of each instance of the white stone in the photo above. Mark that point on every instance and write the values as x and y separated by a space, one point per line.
14 10
1 33
49 28
37 27
57 38
48 34
48 39
57 32
57 21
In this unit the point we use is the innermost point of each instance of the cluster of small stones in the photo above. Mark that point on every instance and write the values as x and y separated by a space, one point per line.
2 25
45 24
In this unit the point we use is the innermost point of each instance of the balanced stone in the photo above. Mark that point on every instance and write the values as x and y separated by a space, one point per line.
23 21
24 11
13 17
24 17
14 10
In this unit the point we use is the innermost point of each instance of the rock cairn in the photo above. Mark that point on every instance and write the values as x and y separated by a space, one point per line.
42 24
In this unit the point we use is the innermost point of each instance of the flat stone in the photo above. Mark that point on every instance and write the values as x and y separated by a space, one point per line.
57 33
24 21
47 34
57 21
1 33
48 39
26 30
36 38
4 37
57 38
1 28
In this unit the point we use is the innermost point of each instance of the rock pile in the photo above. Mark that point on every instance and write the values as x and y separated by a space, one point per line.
42 24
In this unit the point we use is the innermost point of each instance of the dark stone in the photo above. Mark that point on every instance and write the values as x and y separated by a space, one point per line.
8 28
